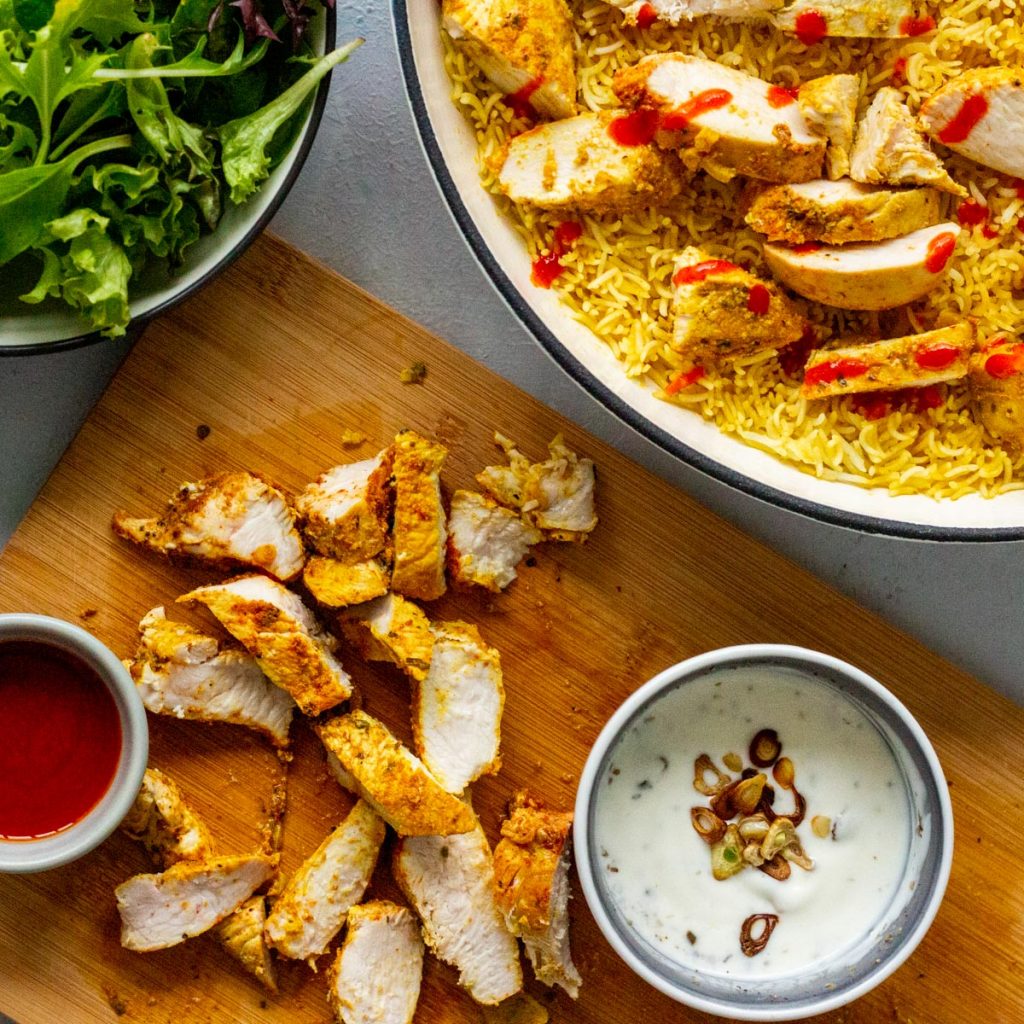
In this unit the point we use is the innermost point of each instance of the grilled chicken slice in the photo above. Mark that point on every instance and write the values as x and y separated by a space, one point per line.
337 584
531 868
419 531
915 361
235 519
978 114
182 672
813 20
375 978
725 121
722 311
289 645
449 880
891 150
391 779
163 822
867 275
241 934
486 541
457 707
578 164
996 381
391 629
344 513
525 47
187 899
674 12
837 212
829 106
312 908
556 496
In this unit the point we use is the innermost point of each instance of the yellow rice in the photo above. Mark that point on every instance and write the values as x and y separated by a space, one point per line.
618 276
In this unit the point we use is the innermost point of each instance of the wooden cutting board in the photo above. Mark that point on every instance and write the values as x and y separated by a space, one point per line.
267 369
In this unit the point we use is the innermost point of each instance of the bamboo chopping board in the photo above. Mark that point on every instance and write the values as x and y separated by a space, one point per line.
268 368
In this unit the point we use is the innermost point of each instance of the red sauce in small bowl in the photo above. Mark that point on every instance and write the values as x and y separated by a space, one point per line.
60 739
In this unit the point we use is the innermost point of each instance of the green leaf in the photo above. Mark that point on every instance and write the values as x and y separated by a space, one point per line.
19 139
86 110
194 65
33 14
244 141
191 22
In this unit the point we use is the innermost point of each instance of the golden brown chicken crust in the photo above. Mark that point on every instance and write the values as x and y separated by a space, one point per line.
392 780
241 934
408 641
998 398
336 584
829 106
162 820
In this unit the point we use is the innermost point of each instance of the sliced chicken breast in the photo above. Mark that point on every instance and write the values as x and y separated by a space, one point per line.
449 880
674 12
486 541
235 519
890 149
556 496
915 361
525 47
391 629
182 672
725 121
837 212
375 978
814 20
996 381
979 115
337 584
187 899
867 275
241 934
290 647
829 106
457 707
344 514
722 311
531 868
312 907
419 530
579 164
165 824
391 779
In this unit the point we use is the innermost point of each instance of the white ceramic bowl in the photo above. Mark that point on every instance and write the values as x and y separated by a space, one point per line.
90 831
862 964
451 152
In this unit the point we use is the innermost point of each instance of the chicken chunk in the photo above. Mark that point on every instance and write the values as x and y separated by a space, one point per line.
312 908
344 514
419 530
837 212
525 47
187 899
829 106
289 645
165 824
867 275
375 978
241 934
996 381
449 880
486 541
235 519
915 361
978 114
579 164
813 20
724 121
556 496
890 149
182 672
722 311
674 12
531 867
457 707
337 584
391 629
391 779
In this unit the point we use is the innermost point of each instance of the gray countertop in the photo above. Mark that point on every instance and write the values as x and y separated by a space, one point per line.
367 206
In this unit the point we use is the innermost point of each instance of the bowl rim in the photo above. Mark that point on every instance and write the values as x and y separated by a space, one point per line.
303 145
746 654
588 382
98 823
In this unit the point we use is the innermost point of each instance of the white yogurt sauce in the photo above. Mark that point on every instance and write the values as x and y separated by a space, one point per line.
658 869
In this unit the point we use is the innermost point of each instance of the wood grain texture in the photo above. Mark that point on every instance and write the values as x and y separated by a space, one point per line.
278 358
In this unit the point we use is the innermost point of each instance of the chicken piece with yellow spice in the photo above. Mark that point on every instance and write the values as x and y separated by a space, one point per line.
996 382
391 629
829 106
336 584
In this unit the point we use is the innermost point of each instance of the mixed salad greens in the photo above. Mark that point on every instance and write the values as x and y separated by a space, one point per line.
126 126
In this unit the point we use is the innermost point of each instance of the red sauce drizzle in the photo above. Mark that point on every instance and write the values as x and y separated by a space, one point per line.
806 247
940 248
702 103
971 213
646 16
991 231
971 111
758 299
60 739
792 357
1019 187
782 95
936 357
546 269
519 101
683 379
876 404
1005 364
899 72
702 271
635 129
917 26
835 369
811 27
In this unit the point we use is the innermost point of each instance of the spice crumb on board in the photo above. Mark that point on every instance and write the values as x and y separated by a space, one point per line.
352 438
415 373
115 1002
88 613
203 431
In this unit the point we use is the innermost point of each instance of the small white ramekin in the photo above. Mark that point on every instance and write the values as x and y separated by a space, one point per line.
86 834
910 913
